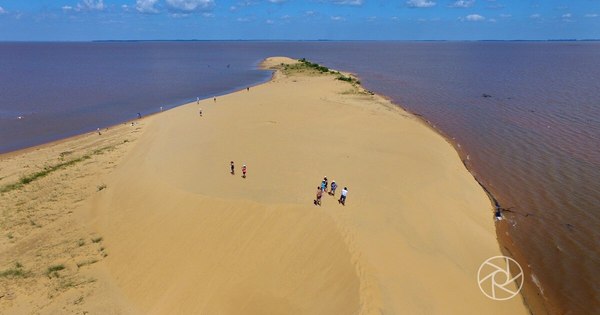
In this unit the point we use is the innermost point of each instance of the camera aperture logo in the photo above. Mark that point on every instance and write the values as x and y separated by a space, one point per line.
496 280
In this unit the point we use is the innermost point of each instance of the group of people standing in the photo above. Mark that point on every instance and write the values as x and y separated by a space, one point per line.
324 187
244 169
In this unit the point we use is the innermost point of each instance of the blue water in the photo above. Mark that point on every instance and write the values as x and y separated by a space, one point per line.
535 143
62 89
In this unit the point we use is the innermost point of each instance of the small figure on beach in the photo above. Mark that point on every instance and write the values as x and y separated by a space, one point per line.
197 100
317 201
161 108
342 199
333 188
324 184
139 115
498 214
215 99
244 171
232 168
248 89
200 112
98 130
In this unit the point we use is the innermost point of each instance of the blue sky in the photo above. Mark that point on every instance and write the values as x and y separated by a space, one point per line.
75 20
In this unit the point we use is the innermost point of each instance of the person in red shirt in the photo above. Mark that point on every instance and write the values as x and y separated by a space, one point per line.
319 195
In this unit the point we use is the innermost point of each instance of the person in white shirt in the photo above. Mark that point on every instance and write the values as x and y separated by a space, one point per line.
342 199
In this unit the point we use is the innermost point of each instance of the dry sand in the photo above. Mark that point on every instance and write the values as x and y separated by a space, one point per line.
172 232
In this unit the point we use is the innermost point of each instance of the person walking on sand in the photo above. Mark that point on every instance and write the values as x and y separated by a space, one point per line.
99 133
324 184
342 199
200 112
244 171
232 168
197 100
215 99
248 89
333 188
319 195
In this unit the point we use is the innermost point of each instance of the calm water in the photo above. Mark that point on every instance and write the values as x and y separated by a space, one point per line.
535 143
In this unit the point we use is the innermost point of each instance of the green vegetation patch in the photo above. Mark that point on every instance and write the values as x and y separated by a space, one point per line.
87 262
305 65
49 169
15 272
315 66
348 79
53 270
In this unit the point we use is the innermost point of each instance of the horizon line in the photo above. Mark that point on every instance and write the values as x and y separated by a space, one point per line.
301 40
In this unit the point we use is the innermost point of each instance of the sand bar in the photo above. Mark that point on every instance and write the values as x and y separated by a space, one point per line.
169 230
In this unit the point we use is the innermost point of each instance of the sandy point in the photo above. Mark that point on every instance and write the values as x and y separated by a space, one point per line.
183 235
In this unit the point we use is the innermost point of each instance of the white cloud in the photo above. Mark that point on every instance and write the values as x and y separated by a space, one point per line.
492 20
463 4
190 5
420 3
474 18
2 11
567 17
179 15
277 1
591 15
337 18
90 5
244 19
85 5
146 6
270 22
348 2
535 16
505 16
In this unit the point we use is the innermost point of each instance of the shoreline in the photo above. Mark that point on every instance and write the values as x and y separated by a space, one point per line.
151 113
348 226
532 293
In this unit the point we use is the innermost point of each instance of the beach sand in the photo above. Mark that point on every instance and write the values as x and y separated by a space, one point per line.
154 223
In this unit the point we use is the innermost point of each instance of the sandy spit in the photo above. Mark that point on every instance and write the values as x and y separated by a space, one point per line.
149 220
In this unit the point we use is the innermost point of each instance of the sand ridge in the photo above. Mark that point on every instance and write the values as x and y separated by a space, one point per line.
184 236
